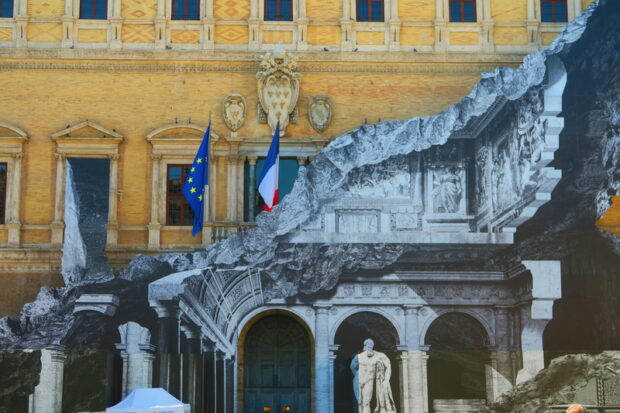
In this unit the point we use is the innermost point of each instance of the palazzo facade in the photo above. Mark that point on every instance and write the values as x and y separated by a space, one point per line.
128 87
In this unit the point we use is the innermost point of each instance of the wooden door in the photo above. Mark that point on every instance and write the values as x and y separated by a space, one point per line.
277 367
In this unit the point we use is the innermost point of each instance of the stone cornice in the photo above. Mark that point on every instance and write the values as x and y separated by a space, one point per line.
196 62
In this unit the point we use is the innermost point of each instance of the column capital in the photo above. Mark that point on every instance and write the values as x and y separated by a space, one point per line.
252 160
190 331
18 155
302 160
411 309
113 156
156 156
322 308
60 156
166 309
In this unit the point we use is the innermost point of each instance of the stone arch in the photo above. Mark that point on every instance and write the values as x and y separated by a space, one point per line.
245 327
459 345
474 314
375 310
354 327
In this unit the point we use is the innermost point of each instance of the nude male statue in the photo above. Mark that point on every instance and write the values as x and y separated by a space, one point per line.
372 371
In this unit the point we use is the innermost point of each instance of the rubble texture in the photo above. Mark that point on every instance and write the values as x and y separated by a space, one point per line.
562 226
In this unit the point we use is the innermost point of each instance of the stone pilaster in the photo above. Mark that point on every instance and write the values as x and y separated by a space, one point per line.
321 359
58 225
47 396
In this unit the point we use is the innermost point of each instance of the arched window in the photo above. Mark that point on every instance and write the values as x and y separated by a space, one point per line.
6 8
278 10
93 9
370 10
553 11
185 9
462 11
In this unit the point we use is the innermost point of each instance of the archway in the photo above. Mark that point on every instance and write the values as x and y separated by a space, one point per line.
276 366
458 353
350 337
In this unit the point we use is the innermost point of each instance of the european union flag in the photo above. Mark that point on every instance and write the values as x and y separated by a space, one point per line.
197 178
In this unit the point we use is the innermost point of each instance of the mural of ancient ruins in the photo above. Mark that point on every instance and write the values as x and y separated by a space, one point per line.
424 235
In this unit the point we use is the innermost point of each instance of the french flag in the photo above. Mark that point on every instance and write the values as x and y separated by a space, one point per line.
268 182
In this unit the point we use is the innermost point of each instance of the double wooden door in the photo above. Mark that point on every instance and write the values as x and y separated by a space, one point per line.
277 367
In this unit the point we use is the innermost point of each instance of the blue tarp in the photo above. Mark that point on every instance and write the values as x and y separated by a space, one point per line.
149 401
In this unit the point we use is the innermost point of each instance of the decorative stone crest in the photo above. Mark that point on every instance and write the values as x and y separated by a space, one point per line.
278 87
320 112
233 111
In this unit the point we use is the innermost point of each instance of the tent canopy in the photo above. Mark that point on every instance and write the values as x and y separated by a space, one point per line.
149 401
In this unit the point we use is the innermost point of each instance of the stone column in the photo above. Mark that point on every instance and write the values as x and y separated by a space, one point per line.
232 187
346 27
14 224
58 225
168 339
191 387
211 378
47 396
221 381
321 360
533 24
137 363
155 224
502 370
332 357
418 384
252 188
208 26
112 226
230 385
404 381
240 182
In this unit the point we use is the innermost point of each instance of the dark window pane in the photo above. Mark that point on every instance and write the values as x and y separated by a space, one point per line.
561 14
377 11
470 11
285 10
93 9
185 10
362 11
271 9
6 8
178 211
455 11
546 9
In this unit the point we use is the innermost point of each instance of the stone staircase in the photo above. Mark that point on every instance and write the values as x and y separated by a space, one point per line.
458 405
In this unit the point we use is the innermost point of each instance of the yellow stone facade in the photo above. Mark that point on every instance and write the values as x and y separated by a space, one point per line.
126 88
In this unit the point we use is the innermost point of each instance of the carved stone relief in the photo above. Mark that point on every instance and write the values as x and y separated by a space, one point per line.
234 110
447 185
355 221
278 87
320 112
389 179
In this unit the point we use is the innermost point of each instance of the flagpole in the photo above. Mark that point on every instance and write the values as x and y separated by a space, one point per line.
207 231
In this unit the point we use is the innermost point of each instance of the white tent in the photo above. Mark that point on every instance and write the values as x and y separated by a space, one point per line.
149 401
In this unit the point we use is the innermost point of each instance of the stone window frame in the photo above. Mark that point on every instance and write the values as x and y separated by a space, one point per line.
108 147
173 150
11 153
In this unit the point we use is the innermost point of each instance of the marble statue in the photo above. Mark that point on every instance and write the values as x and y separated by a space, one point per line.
371 372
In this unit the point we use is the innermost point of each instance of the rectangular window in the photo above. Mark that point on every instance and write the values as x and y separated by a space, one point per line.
3 177
553 11
278 10
93 9
369 10
178 211
185 9
288 174
6 8
462 11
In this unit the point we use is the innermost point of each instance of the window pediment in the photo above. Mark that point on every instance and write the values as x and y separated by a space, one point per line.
87 138
11 138
178 138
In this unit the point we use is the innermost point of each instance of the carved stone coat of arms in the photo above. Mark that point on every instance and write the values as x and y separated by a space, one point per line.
234 109
320 112
278 87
